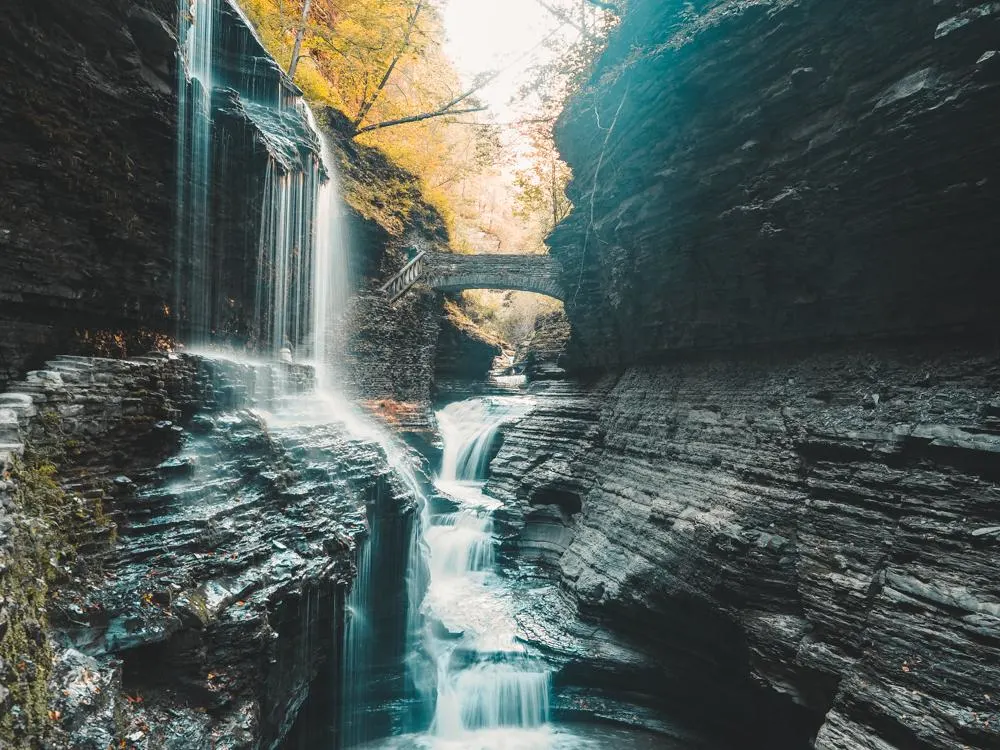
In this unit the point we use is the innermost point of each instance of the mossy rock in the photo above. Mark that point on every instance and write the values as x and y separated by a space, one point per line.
35 546
38 548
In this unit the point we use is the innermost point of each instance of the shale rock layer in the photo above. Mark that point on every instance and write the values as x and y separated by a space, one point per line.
823 526
751 172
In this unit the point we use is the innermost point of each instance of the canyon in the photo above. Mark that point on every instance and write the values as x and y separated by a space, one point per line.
749 496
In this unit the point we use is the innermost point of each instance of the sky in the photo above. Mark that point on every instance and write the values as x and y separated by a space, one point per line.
485 35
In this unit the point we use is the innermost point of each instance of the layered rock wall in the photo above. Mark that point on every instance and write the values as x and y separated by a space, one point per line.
776 490
86 152
191 572
748 173
820 525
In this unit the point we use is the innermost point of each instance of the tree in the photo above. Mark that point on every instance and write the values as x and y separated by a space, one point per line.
404 48
297 49
349 42
541 188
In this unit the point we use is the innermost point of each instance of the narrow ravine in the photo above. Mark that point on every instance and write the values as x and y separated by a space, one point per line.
483 689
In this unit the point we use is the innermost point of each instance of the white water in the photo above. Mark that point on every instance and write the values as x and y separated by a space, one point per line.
359 650
196 44
467 430
488 690
331 268
302 274
284 252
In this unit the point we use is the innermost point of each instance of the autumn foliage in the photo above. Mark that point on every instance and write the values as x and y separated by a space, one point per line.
499 186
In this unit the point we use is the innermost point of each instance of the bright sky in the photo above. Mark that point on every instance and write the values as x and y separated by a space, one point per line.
490 34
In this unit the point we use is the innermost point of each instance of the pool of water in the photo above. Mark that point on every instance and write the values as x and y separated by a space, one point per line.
553 737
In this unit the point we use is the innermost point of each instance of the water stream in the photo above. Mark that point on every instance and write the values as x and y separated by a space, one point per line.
484 689
196 43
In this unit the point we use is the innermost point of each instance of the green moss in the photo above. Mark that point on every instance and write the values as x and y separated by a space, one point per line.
37 546
40 543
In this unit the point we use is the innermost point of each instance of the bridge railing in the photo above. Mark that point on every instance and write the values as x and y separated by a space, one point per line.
406 277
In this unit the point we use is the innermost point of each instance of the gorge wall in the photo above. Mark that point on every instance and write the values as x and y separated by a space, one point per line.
772 487
86 153
807 172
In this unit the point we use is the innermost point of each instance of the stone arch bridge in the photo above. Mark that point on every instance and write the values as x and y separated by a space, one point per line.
452 272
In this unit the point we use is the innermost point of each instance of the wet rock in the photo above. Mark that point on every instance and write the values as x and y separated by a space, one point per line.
772 172
177 467
464 351
213 608
814 559
541 355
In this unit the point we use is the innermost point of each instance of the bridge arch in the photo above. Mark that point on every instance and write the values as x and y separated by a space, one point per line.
452 272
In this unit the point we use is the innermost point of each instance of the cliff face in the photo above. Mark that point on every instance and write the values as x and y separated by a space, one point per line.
799 524
822 527
196 560
755 172
86 151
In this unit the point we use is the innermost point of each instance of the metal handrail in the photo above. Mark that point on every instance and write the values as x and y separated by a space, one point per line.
406 277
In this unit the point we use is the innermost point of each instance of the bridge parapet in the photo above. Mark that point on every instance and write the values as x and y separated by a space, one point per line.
452 272
405 277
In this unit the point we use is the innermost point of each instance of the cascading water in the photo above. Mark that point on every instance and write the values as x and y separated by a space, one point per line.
487 687
196 44
427 601
331 287
243 129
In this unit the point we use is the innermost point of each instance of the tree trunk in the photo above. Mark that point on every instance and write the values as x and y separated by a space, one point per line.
297 49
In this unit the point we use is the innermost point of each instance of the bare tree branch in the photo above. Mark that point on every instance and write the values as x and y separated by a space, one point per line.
297 49
447 108
403 48
442 112
566 19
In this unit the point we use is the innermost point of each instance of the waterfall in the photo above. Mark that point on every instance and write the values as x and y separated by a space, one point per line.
359 652
285 248
244 131
468 429
196 44
330 270
484 680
